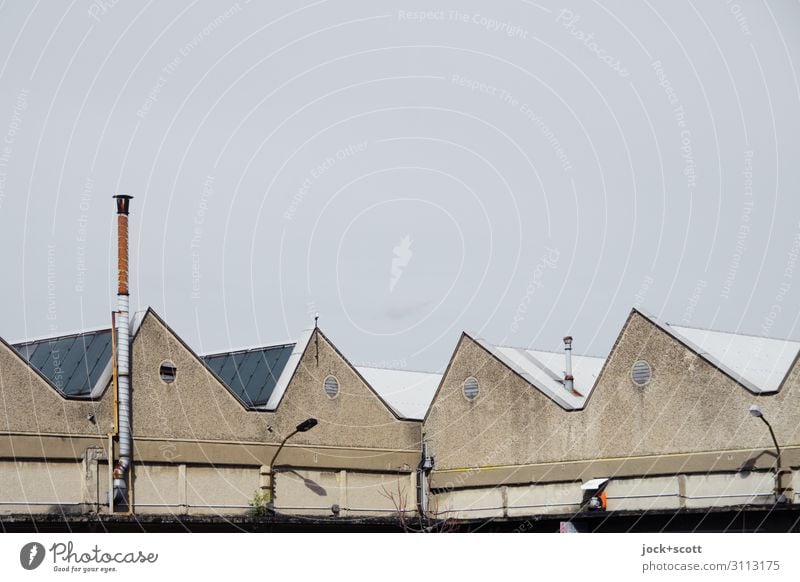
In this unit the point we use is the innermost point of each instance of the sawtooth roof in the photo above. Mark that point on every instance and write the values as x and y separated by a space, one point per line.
251 374
544 370
758 363
72 363
409 393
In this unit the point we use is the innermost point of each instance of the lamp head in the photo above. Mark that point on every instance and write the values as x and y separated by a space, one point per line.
756 411
307 425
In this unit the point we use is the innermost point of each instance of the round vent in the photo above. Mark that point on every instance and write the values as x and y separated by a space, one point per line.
641 373
470 388
167 371
331 385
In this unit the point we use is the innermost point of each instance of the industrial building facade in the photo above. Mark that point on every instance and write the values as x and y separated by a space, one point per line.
672 430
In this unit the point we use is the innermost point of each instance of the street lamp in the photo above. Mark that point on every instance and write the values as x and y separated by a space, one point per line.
756 412
304 426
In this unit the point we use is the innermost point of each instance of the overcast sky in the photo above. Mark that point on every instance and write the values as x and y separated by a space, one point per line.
518 169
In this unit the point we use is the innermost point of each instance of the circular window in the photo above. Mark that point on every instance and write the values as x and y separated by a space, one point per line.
641 373
470 388
167 371
331 386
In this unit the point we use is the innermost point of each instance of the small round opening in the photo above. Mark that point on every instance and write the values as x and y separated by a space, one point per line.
641 373
470 388
331 386
167 372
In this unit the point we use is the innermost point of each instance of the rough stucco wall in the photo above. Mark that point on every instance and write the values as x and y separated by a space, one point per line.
470 504
553 498
644 494
729 489
689 406
312 492
308 492
30 404
198 406
356 417
156 486
45 485
510 422
215 491
376 494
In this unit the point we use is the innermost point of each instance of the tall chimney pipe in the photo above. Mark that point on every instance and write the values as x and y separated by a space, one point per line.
569 381
122 467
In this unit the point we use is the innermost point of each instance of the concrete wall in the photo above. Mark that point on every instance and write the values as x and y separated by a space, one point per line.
470 504
645 494
44 486
720 490
61 487
30 404
511 452
227 490
197 448
688 407
684 440
310 492
179 489
198 407
623 494
194 490
548 498
214 490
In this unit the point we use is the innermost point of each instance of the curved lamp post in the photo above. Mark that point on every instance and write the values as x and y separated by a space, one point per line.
304 426
756 412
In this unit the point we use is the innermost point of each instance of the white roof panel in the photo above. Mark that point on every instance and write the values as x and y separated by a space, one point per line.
408 393
760 361
544 370
585 369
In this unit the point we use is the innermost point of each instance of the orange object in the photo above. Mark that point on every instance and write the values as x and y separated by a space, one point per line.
122 253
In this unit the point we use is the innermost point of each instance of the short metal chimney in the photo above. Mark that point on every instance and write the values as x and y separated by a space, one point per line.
122 468
569 381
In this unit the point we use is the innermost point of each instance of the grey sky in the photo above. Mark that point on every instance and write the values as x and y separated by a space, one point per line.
523 170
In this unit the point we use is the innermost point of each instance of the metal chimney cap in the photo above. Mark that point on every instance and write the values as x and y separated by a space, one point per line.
123 202
568 340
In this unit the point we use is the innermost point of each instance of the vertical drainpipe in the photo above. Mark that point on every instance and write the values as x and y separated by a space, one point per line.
424 469
122 468
569 381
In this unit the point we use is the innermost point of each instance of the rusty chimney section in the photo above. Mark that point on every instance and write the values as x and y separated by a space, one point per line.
122 468
569 381
123 208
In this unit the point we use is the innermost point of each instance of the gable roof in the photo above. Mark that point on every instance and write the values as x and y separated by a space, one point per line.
408 393
543 370
73 363
78 365
758 363
252 374
283 378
